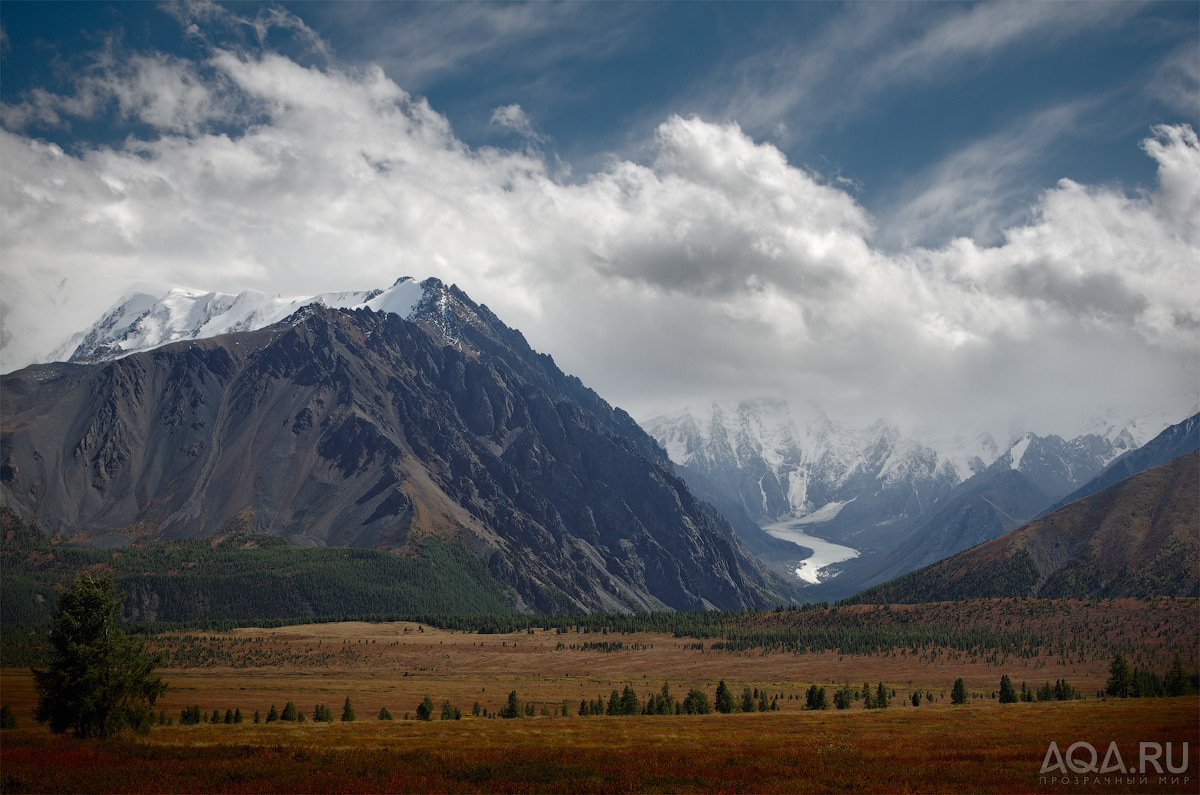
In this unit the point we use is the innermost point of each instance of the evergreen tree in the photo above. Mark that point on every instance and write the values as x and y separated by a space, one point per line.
881 697
958 694
843 697
384 714
229 716
1008 693
7 719
449 712
512 709
425 708
1121 680
748 700
763 706
216 717
347 711
237 715
257 718
289 712
272 715
815 698
723 702
476 710
614 703
916 698
696 702
868 698
667 700
629 702
1176 682
99 681
566 708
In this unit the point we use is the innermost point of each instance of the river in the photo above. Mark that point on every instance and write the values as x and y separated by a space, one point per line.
824 553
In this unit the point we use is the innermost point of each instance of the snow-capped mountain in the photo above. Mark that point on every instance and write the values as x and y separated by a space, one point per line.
141 321
784 463
892 496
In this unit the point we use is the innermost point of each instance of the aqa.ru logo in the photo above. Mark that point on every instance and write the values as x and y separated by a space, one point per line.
1082 757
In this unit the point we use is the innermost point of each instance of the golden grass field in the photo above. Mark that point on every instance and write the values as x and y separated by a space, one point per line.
980 747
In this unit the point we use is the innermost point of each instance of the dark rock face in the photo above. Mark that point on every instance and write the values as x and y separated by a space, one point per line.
357 428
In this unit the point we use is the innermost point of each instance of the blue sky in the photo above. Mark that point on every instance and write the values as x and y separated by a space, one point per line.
861 204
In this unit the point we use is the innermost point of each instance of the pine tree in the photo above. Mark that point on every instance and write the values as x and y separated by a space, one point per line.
257 718
289 712
763 706
1176 682
566 708
629 702
748 700
614 703
881 697
723 702
347 711
384 714
958 694
425 709
229 716
99 681
237 715
7 719
843 697
1008 693
1121 681
916 698
696 702
512 709
868 699
272 715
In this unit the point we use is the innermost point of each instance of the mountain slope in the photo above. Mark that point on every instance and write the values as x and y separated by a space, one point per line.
900 501
1139 537
1180 438
359 428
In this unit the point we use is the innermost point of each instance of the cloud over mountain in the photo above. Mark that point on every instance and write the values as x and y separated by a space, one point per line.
707 264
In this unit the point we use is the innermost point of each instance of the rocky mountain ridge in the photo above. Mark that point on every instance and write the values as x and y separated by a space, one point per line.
363 428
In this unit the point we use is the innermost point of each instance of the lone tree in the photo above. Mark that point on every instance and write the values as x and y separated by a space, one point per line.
99 682
958 694
347 711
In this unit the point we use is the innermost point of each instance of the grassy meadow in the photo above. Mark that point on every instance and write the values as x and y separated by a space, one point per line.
981 746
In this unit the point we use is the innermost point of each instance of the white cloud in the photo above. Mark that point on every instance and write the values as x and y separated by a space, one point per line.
711 267
512 117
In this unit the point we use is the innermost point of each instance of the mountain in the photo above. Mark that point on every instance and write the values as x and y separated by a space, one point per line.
901 501
141 321
1176 440
1139 537
363 428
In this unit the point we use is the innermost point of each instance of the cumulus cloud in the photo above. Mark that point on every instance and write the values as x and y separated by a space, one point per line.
712 267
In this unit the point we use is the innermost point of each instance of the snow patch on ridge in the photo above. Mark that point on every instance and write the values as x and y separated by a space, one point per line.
142 321
1018 451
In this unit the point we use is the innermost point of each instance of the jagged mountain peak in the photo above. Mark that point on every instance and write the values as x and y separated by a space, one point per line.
350 426
146 318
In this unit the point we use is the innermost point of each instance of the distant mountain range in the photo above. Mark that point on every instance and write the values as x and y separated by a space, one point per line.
1138 538
902 502
370 420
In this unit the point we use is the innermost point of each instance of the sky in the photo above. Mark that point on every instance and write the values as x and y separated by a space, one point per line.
933 213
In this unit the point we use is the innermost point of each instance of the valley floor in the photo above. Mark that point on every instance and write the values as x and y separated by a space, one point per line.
981 746
976 748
